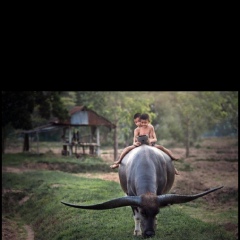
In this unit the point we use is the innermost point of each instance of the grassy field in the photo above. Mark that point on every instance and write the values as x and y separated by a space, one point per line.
32 198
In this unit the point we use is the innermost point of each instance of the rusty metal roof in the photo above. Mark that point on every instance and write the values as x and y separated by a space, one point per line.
77 109
94 119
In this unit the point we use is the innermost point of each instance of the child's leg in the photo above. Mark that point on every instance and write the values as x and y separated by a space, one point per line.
176 172
124 152
166 151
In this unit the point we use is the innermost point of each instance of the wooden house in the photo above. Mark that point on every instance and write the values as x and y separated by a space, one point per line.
81 116
72 139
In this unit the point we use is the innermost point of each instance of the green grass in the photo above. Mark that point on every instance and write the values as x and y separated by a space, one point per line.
16 224
62 163
52 220
216 160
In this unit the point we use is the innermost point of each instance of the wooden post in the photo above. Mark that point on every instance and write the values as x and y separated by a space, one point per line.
70 140
98 142
83 148
26 142
37 142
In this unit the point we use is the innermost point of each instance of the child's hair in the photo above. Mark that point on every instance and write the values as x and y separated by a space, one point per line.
136 115
144 116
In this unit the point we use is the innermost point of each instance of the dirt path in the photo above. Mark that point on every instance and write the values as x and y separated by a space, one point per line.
10 232
30 233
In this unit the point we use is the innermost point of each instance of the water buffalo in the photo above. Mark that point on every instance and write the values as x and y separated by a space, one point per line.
146 176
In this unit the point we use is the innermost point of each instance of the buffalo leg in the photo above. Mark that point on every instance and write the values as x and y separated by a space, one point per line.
136 217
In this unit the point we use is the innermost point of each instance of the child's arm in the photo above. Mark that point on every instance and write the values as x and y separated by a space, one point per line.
135 139
152 135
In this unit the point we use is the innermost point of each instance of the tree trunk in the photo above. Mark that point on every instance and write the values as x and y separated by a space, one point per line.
26 143
187 140
115 144
3 140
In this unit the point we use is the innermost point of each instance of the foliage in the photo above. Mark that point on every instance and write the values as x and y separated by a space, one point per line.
186 116
181 116
119 108
17 107
93 100
222 109
69 99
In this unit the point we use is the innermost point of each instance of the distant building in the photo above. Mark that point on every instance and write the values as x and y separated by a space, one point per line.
80 116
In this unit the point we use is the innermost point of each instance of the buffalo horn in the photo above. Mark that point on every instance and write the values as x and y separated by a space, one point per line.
167 199
114 203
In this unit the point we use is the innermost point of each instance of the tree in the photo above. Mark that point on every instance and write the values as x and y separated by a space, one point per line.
191 116
18 107
182 116
198 112
69 99
229 108
119 108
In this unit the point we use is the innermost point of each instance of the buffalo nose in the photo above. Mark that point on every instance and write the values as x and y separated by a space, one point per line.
149 234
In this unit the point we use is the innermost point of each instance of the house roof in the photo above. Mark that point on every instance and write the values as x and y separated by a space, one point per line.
44 128
94 119
77 109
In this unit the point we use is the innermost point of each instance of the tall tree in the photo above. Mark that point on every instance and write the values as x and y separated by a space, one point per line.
224 106
119 108
181 116
69 99
17 109
95 100
199 112
191 114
